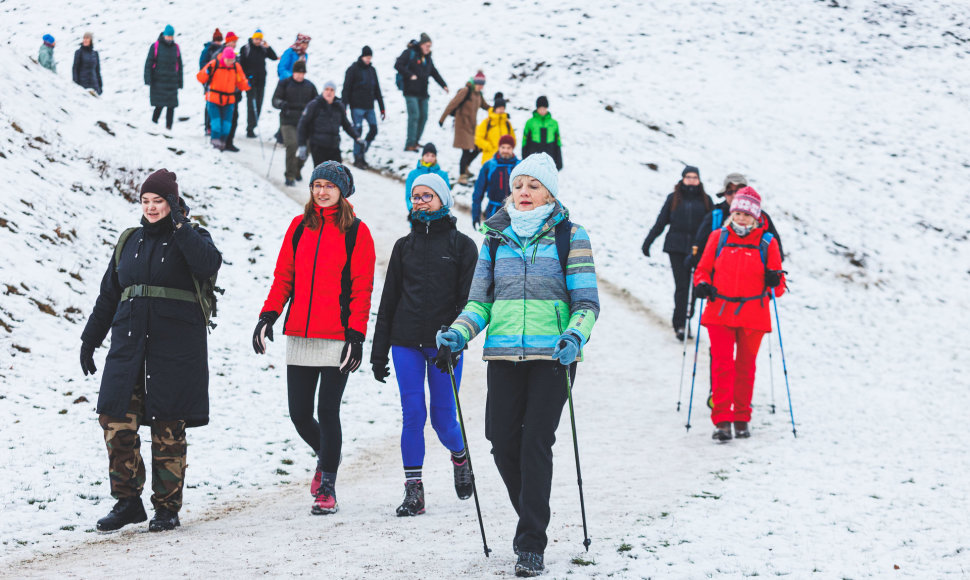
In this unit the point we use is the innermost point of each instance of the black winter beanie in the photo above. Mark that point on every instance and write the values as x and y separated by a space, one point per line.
690 169
366 51
542 102
429 148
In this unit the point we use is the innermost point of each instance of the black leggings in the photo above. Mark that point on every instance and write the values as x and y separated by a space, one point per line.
467 156
325 437
682 284
169 115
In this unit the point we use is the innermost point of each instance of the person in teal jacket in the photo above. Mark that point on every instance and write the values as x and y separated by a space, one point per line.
538 315
541 133
427 164
46 55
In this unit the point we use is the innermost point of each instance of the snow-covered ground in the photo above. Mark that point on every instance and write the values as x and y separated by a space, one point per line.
849 118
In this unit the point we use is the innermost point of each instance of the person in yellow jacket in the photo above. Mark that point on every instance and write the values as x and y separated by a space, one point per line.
493 128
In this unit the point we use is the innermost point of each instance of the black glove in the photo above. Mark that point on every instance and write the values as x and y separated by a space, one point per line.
645 249
381 371
476 225
444 356
704 291
266 320
689 262
773 278
353 352
87 359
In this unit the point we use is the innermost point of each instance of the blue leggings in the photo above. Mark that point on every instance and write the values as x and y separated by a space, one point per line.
410 365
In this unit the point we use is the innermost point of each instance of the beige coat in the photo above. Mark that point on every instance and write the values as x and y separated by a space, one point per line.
466 115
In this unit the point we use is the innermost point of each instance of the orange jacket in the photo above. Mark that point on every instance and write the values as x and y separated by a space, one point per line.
223 82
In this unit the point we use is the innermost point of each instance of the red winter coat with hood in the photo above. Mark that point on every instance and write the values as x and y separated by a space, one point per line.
738 273
311 278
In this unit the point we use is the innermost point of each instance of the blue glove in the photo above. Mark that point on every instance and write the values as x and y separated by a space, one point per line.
450 338
567 349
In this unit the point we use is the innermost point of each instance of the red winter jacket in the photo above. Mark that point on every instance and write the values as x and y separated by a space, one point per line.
738 273
312 279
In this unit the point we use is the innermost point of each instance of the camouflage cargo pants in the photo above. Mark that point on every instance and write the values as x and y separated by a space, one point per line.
125 466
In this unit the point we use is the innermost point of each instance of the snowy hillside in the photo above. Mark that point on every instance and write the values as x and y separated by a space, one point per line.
849 117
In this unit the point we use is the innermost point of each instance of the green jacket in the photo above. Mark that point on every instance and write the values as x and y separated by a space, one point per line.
541 134
46 58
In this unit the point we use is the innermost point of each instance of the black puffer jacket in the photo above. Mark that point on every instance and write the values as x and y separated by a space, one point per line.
321 122
426 286
361 87
683 221
163 338
87 68
413 63
163 73
291 98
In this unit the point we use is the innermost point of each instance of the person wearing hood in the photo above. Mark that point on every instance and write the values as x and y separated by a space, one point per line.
494 181
537 318
253 58
361 89
163 75
296 51
427 164
683 211
46 55
420 295
325 272
320 124
414 67
156 372
737 276
464 108
493 128
87 65
225 80
541 133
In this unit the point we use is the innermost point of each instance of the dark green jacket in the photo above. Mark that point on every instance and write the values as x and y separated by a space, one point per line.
163 73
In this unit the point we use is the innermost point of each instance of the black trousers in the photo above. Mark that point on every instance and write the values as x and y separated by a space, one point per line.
235 119
682 283
467 156
324 437
254 104
169 116
522 412
321 154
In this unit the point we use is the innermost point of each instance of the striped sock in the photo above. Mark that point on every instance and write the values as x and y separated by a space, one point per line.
459 457
412 473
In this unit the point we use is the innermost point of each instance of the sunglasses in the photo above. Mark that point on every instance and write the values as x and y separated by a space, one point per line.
425 197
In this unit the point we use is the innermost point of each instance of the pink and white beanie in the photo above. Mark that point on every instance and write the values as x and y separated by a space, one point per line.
747 200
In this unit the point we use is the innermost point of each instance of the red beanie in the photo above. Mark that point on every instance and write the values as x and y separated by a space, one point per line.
506 140
217 36
748 201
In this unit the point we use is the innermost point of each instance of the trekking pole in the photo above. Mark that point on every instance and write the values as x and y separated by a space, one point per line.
771 373
259 135
693 376
781 347
468 453
683 357
275 143
579 474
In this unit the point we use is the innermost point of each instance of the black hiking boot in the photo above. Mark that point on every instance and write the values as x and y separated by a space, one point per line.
413 504
529 565
680 334
289 183
164 521
231 148
723 432
741 430
128 510
463 478
250 134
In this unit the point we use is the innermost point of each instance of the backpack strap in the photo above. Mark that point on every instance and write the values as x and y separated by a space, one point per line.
493 244
564 231
717 217
178 55
155 56
350 240
297 234
722 241
120 246
763 247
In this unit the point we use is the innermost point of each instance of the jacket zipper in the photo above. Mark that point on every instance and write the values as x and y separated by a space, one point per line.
313 277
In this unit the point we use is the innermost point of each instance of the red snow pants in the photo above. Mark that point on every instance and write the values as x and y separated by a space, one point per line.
733 355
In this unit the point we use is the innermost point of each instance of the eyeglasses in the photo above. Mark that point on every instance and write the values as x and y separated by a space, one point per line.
329 186
425 197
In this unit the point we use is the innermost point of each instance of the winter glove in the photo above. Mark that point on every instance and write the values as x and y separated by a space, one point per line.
353 352
646 249
567 348
451 338
383 116
87 359
381 371
773 278
704 291
476 224
264 330
445 359
178 214
301 152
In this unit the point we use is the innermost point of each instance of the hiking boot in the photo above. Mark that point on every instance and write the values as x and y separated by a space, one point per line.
164 521
680 334
326 499
529 565
359 163
250 134
218 144
463 179
232 148
741 430
463 478
291 183
723 432
411 148
299 177
413 504
128 510
318 476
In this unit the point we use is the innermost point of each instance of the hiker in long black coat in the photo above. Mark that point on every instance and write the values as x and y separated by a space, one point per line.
160 338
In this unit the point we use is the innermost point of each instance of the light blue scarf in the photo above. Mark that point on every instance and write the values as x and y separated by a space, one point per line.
526 224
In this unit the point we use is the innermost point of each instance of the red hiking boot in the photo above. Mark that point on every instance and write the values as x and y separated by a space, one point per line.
315 484
326 499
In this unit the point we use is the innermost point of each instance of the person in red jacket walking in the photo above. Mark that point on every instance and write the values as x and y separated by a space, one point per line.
325 270
736 274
